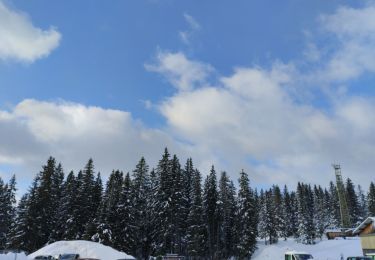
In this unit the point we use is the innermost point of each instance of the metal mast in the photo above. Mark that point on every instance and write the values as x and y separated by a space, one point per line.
344 212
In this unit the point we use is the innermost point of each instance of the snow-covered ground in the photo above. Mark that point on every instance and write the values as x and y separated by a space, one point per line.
323 250
86 249
11 256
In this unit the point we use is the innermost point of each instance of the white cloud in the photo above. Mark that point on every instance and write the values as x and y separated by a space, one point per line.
20 40
354 32
251 121
182 73
194 26
71 132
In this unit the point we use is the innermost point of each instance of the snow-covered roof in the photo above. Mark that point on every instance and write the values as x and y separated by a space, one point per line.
296 253
333 230
86 249
361 226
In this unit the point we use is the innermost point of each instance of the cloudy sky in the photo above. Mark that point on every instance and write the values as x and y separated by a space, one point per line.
281 89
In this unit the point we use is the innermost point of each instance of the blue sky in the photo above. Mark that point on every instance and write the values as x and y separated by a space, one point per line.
279 88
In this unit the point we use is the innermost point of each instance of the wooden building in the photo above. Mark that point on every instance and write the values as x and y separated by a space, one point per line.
335 233
366 231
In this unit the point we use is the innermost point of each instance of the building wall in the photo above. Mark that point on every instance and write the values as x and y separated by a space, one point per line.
368 243
368 230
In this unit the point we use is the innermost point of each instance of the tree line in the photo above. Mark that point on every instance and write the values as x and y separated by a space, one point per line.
169 209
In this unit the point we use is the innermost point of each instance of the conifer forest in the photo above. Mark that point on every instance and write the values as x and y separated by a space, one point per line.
172 208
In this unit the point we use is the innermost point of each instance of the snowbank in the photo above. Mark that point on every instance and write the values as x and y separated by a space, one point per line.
12 256
324 250
86 249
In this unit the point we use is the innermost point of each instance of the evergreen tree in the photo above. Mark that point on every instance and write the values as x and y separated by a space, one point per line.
210 206
108 232
353 204
278 211
363 207
7 209
371 199
320 221
85 195
196 233
246 215
19 234
141 191
125 208
227 215
334 206
306 230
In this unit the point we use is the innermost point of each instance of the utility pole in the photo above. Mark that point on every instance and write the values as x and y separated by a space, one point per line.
344 212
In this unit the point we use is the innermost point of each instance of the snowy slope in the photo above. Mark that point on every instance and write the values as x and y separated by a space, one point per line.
86 249
324 250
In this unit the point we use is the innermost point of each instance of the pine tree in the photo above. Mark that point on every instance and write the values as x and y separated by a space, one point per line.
85 195
163 206
125 208
56 195
210 206
7 209
306 230
196 233
371 199
353 204
363 207
107 219
141 191
18 236
320 221
334 206
227 215
277 205
246 214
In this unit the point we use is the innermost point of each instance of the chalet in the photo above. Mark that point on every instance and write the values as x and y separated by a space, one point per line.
334 233
366 231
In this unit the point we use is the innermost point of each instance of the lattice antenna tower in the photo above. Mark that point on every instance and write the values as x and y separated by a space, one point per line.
344 212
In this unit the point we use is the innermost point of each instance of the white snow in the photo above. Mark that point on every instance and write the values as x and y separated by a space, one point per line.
85 249
12 256
323 250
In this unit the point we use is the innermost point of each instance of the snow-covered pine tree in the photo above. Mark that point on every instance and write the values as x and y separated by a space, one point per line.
7 209
363 207
330 219
270 216
287 211
320 221
278 208
56 194
107 230
335 205
188 184
247 217
196 232
125 208
294 215
85 195
371 199
163 206
178 206
306 230
227 215
353 203
262 209
142 217
18 236
210 207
